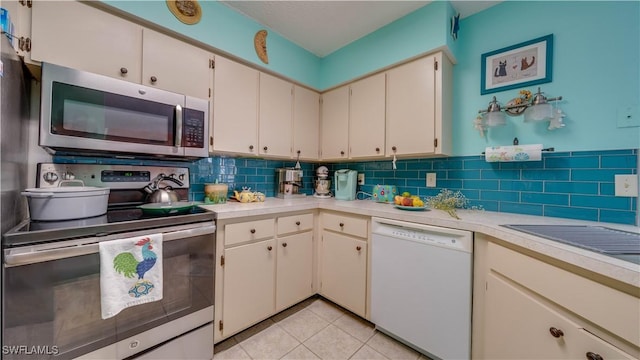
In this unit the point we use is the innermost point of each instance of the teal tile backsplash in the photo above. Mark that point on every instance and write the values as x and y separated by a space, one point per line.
576 185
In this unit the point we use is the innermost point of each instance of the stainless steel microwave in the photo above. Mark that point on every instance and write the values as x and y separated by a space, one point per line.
91 114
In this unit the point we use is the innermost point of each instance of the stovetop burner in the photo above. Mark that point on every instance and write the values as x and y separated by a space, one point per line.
114 221
112 216
126 183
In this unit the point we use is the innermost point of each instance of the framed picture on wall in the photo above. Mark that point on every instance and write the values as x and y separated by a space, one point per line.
520 65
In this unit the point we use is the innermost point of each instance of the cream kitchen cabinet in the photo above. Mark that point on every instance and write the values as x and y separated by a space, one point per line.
264 265
108 45
353 120
367 117
79 36
249 285
294 271
275 117
235 110
344 259
335 124
175 65
306 123
20 13
418 108
527 308
248 263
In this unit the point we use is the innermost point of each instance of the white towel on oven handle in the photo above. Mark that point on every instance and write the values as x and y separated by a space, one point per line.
130 273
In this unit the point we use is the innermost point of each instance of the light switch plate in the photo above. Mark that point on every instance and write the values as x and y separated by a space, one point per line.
360 178
431 179
626 185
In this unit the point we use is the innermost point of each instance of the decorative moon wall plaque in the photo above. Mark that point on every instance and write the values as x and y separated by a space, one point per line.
187 11
260 43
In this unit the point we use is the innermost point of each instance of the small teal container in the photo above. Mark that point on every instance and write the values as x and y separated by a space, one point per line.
5 20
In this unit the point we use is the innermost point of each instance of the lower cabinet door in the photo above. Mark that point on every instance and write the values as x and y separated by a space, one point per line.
249 285
344 271
294 269
519 326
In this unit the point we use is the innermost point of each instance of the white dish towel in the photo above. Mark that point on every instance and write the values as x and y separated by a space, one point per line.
130 273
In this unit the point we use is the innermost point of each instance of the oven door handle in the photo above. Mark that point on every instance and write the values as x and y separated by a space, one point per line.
63 252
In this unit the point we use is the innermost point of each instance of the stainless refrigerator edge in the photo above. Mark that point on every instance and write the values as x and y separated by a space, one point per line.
15 85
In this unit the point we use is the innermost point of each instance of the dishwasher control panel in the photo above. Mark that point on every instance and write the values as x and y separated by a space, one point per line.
437 236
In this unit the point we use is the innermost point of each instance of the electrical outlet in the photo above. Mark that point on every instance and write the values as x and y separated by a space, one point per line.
431 179
626 185
360 179
628 116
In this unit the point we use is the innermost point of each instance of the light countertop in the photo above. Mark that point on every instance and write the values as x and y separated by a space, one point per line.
486 222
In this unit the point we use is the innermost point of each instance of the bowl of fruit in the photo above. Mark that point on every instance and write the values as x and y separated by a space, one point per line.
406 201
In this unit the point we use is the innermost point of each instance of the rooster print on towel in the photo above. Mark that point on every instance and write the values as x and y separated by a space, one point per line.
126 264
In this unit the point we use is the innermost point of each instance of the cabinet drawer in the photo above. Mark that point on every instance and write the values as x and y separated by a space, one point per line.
248 231
295 223
598 303
518 324
346 224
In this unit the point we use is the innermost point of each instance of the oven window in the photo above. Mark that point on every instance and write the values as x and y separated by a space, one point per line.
56 304
88 113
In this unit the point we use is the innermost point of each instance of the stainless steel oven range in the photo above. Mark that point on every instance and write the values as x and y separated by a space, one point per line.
51 276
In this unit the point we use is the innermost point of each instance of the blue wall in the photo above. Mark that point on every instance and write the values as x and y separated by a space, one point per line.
576 185
596 57
414 34
230 32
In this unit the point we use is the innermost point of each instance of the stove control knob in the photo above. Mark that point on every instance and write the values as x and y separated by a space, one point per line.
68 176
50 177
181 177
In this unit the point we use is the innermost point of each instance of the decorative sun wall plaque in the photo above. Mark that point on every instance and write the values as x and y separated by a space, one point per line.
187 11
260 43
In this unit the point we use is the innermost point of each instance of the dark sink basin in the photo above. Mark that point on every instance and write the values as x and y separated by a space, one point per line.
596 238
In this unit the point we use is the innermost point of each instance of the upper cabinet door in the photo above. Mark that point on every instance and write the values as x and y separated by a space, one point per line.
367 117
306 123
275 119
78 36
235 108
20 13
335 124
411 108
174 65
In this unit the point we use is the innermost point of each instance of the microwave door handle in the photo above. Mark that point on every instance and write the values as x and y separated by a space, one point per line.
179 120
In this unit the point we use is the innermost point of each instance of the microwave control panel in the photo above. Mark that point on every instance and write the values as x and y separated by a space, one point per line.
193 129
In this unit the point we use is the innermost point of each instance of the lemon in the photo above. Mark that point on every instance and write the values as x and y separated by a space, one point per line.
418 203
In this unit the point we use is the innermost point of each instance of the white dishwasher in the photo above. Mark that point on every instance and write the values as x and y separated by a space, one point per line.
421 283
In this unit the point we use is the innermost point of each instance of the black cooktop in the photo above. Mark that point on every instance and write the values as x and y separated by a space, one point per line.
117 220
616 243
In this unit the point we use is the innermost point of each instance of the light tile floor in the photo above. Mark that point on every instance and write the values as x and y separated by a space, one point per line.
314 329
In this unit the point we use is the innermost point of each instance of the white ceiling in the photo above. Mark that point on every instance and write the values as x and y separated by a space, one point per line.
324 26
